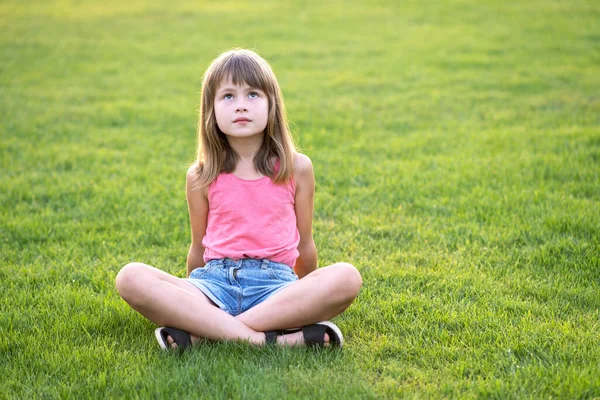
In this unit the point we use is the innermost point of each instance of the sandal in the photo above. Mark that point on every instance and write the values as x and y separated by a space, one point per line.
181 338
314 335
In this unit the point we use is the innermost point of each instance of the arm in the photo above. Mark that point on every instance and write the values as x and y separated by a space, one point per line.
305 192
197 200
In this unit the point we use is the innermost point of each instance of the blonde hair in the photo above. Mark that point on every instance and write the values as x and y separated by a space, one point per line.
214 155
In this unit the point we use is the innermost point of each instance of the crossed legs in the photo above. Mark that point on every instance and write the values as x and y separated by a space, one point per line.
170 301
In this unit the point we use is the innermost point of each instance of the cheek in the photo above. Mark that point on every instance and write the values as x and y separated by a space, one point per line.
265 109
265 115
219 114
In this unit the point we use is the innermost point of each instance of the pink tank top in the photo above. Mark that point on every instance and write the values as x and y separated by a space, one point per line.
251 219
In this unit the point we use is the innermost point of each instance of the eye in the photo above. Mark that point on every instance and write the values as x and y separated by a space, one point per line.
228 96
253 95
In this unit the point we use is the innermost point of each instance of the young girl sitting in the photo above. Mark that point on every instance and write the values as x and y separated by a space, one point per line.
252 263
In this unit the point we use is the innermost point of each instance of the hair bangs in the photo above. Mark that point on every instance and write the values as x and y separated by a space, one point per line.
241 69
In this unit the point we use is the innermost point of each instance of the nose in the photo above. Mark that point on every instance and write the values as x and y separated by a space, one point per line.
241 106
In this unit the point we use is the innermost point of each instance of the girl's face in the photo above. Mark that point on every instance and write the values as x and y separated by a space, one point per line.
241 111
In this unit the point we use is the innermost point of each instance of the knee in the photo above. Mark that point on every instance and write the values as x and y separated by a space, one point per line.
349 280
128 279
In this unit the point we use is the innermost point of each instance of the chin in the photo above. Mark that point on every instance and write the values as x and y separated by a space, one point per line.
244 134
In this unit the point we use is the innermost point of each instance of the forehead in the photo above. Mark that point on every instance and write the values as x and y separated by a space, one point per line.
228 83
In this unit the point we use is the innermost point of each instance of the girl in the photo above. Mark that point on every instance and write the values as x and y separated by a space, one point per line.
252 263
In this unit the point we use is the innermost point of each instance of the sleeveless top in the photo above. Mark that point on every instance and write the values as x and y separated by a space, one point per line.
251 219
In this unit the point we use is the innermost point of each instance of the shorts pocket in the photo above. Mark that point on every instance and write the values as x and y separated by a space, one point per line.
200 272
284 274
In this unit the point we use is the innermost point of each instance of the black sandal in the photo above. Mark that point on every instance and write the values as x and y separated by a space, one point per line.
314 335
181 338
271 337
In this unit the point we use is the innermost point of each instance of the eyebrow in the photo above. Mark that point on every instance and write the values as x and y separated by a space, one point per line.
229 88
226 89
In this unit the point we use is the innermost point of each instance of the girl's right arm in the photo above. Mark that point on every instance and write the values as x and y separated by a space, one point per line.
197 200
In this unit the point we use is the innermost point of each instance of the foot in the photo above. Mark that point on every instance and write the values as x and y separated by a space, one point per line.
291 339
173 338
321 334
172 343
324 334
297 339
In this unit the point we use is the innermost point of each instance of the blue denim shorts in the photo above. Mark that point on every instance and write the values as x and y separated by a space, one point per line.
238 285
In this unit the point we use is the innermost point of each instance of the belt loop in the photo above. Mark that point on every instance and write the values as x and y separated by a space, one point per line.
265 264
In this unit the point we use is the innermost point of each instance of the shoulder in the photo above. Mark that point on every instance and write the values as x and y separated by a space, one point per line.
302 165
191 179
192 171
303 170
192 175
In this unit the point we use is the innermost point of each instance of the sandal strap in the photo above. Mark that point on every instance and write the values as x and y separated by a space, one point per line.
182 338
314 335
271 337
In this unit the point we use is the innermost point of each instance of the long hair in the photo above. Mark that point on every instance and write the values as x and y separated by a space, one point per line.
214 155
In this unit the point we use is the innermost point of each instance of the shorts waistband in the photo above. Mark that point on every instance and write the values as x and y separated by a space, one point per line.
245 263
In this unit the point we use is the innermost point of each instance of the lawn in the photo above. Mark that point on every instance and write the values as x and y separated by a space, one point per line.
456 147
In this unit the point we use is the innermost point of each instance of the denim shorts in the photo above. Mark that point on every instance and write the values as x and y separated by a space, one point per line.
238 285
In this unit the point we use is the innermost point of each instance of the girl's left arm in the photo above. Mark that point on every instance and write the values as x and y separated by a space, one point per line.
305 193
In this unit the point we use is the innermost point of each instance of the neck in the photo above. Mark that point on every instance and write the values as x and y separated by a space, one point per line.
246 148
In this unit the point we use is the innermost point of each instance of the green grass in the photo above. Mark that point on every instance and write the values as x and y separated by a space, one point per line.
457 152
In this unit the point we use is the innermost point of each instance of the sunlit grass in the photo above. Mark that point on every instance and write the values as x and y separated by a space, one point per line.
457 153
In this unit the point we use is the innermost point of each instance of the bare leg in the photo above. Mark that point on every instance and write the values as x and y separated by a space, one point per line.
159 297
170 301
319 296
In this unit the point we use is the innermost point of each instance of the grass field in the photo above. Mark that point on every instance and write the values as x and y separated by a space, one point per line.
457 152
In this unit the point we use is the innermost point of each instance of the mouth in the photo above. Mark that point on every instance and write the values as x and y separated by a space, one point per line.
242 119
